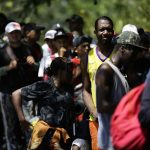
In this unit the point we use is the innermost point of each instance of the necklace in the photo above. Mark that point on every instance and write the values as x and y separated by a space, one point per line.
98 54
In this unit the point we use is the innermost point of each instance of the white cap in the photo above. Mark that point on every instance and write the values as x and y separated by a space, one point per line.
130 28
50 34
12 26
81 143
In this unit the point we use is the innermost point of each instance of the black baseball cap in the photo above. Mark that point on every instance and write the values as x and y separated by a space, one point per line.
60 33
81 39
33 26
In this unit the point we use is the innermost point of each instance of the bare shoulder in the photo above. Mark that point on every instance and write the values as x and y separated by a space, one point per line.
105 68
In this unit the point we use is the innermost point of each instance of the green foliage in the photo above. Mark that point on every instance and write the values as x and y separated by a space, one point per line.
49 12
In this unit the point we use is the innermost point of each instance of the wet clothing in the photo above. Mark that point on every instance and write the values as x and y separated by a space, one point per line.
55 106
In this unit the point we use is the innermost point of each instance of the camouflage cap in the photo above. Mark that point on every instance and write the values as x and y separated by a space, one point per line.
128 37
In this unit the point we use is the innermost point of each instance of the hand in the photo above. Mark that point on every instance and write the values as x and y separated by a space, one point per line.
62 51
30 60
94 114
25 124
12 65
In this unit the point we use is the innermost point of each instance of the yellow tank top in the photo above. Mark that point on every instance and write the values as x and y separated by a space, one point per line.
93 63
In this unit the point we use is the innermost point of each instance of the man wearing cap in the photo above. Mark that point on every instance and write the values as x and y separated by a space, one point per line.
96 56
32 33
111 82
60 40
81 44
15 60
49 52
18 56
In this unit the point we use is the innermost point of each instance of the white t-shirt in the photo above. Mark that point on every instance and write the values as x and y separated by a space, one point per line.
46 59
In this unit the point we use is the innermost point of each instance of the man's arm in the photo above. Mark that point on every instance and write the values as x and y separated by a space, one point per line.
17 102
87 96
12 65
104 85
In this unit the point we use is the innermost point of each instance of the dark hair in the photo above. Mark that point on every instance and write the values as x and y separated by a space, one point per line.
144 37
3 17
103 18
75 19
3 22
59 63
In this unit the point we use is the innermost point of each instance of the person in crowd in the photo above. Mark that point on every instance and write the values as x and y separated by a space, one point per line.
32 34
58 27
144 104
111 83
16 54
81 45
15 60
144 114
76 24
56 106
137 70
3 22
60 41
49 52
89 64
57 43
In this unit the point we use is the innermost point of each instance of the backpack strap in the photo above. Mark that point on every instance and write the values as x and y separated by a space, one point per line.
120 75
